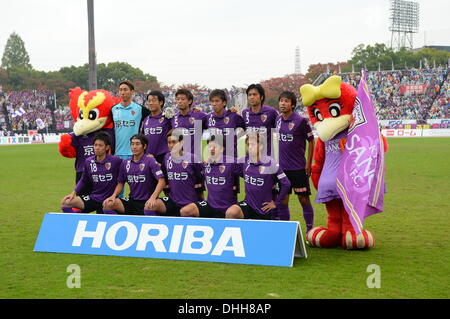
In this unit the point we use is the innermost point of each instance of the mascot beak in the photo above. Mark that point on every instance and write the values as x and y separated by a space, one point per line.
86 126
329 127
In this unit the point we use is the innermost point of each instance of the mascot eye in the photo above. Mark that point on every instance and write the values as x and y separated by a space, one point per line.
80 115
334 109
93 114
318 115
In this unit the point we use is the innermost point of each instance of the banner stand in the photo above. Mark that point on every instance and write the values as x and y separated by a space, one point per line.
253 242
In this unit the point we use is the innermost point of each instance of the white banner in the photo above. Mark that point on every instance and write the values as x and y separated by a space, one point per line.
416 133
15 140
30 139
438 121
51 138
393 123
443 132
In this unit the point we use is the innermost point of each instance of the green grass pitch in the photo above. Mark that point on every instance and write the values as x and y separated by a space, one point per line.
412 241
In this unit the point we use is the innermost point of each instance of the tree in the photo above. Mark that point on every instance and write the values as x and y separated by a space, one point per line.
110 75
15 54
371 57
315 70
79 75
275 86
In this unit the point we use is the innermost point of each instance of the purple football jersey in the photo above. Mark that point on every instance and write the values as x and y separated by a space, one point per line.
261 122
102 175
292 136
182 174
226 125
142 176
260 179
84 146
220 179
187 123
327 188
156 129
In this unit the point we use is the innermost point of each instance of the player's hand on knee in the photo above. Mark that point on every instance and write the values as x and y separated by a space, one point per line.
151 202
108 201
67 199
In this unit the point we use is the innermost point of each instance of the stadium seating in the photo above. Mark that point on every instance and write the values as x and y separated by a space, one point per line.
404 94
393 102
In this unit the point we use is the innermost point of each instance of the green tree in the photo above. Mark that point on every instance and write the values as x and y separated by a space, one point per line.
371 56
15 54
79 75
110 75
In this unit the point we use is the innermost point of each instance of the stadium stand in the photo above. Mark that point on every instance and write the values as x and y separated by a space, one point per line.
398 95
407 94
440 106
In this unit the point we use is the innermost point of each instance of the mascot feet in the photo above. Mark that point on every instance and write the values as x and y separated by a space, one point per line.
362 241
323 237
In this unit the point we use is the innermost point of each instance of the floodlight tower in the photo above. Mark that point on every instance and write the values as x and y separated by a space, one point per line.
297 60
405 22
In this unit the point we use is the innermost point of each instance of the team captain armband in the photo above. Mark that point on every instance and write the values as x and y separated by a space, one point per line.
282 175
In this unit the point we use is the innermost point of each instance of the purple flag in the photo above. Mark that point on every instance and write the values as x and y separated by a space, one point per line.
360 180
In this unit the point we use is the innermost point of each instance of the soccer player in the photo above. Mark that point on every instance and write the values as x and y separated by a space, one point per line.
293 132
156 126
221 178
144 176
84 146
261 175
127 117
192 123
183 175
224 122
100 171
259 117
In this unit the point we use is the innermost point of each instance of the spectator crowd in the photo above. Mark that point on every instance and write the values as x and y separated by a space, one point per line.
392 100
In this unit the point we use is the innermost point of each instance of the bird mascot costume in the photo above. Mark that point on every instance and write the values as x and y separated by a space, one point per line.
348 169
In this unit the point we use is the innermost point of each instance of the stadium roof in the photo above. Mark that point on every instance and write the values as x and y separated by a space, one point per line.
437 47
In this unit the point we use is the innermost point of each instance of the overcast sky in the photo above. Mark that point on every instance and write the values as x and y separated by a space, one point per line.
216 43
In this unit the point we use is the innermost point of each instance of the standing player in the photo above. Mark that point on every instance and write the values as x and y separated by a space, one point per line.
259 117
127 117
225 123
192 123
293 132
184 177
156 126
144 176
100 171
261 175
221 178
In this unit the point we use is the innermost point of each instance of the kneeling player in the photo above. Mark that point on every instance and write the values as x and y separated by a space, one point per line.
184 176
221 177
261 174
100 171
144 176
